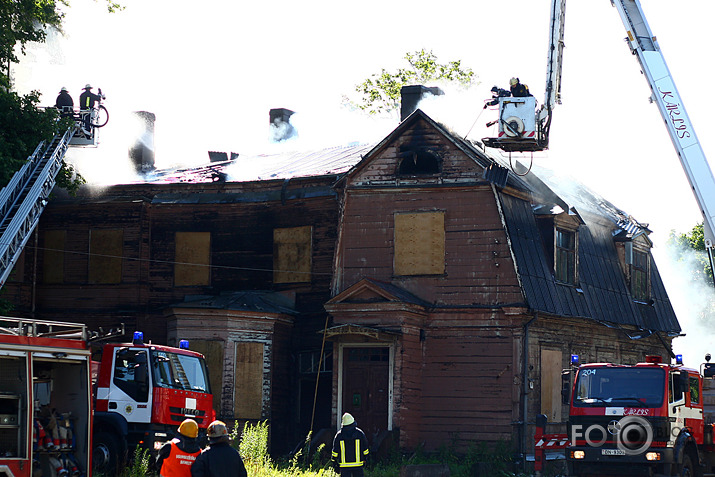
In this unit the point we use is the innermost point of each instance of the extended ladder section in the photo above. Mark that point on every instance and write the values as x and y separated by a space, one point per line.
645 46
24 198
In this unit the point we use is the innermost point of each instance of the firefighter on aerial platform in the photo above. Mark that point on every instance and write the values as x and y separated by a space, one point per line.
176 456
87 102
350 448
64 102
518 90
496 94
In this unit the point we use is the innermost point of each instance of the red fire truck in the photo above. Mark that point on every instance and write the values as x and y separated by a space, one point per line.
45 398
143 392
650 418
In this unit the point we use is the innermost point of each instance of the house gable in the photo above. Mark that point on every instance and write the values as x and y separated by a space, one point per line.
418 151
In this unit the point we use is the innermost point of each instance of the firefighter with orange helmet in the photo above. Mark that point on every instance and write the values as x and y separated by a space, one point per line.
176 456
350 448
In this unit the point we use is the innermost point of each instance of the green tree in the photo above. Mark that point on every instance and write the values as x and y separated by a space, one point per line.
693 242
22 123
380 94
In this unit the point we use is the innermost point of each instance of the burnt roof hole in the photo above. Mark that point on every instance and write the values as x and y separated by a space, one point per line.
419 162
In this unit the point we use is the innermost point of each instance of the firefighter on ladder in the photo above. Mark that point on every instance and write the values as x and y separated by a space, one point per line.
176 456
350 448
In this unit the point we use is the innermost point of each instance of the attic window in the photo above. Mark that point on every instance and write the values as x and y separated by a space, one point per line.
639 276
418 162
565 256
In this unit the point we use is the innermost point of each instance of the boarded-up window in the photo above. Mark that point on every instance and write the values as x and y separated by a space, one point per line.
551 384
419 243
292 254
105 255
213 352
193 251
248 381
53 256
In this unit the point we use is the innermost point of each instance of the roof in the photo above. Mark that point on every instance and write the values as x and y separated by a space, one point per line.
602 293
257 167
247 300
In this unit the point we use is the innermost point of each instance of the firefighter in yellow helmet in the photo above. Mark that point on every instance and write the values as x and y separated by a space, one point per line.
350 448
176 456
518 89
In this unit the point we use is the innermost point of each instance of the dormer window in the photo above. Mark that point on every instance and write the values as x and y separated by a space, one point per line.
565 256
418 162
640 271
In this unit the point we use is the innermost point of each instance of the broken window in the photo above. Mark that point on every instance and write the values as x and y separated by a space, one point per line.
565 256
292 254
419 244
639 276
105 255
192 259
418 161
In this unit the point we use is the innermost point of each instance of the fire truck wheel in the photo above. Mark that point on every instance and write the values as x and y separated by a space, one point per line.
686 468
106 452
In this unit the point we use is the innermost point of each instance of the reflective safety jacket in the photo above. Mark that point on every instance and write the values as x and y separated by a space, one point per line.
178 463
350 448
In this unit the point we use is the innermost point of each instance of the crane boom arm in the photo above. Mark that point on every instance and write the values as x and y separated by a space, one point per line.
645 46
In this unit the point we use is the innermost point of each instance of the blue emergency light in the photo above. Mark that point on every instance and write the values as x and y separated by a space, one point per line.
574 359
138 337
184 344
678 359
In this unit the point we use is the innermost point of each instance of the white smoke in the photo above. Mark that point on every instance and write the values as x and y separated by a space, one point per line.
692 301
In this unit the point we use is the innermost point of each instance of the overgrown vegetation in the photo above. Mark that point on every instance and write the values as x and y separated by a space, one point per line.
480 459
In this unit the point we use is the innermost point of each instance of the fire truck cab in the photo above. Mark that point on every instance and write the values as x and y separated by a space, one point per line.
45 398
644 419
143 392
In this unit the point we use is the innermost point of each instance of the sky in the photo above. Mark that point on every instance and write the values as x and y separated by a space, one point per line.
211 71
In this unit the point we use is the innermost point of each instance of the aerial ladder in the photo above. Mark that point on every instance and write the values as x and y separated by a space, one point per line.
524 128
24 198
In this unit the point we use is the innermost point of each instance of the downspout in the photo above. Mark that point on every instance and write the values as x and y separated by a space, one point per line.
525 383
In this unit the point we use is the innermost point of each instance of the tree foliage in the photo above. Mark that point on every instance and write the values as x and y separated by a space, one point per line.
380 94
693 242
23 125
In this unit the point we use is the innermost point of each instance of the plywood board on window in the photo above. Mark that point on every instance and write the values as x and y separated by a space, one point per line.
213 351
53 256
248 380
292 254
551 365
105 255
419 243
192 259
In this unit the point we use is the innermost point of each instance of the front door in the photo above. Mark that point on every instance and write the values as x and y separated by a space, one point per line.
366 374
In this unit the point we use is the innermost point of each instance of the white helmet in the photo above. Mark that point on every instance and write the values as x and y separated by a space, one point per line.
63 88
88 86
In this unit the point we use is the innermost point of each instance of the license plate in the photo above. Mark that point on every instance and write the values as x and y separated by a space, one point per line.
612 452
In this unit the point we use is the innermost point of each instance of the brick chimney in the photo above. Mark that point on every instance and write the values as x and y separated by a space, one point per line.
280 126
142 152
412 95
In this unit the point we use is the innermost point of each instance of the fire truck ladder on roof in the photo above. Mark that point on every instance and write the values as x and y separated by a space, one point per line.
24 198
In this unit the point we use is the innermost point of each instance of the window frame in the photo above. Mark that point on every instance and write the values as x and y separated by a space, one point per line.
640 293
560 251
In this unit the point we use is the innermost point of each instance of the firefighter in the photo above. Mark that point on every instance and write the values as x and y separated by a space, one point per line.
496 94
219 459
64 102
176 456
87 101
518 90
350 448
